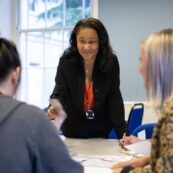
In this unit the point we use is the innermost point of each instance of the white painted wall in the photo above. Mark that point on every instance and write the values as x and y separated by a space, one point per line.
128 22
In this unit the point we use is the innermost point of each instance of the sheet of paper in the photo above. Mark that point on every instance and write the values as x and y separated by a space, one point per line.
142 147
97 170
99 161
142 135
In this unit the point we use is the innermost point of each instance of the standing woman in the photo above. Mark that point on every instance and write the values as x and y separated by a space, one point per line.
87 84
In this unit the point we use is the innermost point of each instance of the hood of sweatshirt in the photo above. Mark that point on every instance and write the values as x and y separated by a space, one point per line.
7 106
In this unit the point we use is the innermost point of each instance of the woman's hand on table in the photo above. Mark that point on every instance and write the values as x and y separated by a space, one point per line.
126 140
138 162
117 170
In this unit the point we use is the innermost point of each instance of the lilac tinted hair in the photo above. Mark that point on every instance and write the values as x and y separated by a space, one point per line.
158 49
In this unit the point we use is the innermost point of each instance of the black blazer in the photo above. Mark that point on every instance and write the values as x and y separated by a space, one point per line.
108 102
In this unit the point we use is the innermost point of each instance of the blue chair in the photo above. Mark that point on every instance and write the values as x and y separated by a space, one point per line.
45 109
112 134
135 117
148 129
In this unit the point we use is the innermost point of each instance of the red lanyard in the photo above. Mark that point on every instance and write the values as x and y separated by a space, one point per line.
87 95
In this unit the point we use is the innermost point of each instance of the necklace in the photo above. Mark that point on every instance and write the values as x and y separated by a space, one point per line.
86 71
88 74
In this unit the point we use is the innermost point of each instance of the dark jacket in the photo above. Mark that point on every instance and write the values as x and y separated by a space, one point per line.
108 102
29 142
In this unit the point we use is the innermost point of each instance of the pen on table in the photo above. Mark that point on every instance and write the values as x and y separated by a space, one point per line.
121 143
129 153
124 134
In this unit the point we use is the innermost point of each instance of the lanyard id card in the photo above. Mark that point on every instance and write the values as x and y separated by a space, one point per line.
90 114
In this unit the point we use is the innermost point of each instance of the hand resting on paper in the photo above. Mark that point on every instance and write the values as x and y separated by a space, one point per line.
126 140
138 162
117 170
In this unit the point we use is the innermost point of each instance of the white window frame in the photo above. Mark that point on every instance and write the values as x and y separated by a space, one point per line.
16 32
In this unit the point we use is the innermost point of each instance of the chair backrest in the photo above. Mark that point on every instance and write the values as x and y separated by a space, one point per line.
45 109
135 117
112 134
134 120
148 129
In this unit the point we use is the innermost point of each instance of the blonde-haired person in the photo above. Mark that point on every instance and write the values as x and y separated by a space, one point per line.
156 67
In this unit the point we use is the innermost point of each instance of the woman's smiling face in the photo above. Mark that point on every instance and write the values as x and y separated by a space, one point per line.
87 43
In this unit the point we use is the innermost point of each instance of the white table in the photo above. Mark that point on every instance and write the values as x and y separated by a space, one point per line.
96 155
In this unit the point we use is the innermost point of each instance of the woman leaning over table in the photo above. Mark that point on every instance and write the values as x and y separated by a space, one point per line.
156 68
87 84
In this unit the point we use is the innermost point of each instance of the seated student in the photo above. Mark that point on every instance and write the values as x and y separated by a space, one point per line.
156 68
28 141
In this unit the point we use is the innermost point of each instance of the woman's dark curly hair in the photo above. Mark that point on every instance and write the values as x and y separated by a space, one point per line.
9 58
105 50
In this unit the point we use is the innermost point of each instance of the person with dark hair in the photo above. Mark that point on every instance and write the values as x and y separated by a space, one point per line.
88 85
29 143
156 62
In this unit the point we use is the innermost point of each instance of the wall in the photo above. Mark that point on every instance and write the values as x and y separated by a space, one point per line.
5 18
129 22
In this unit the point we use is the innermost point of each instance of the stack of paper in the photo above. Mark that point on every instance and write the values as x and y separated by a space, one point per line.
143 147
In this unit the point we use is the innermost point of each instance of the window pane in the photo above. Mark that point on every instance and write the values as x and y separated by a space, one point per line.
36 14
67 33
53 48
88 11
23 52
54 13
32 15
32 86
22 90
49 84
45 28
41 14
35 49
35 85
48 13
24 14
73 12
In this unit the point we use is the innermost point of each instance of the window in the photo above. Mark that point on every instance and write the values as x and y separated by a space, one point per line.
44 27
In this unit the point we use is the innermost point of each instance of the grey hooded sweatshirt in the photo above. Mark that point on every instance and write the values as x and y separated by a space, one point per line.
29 143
